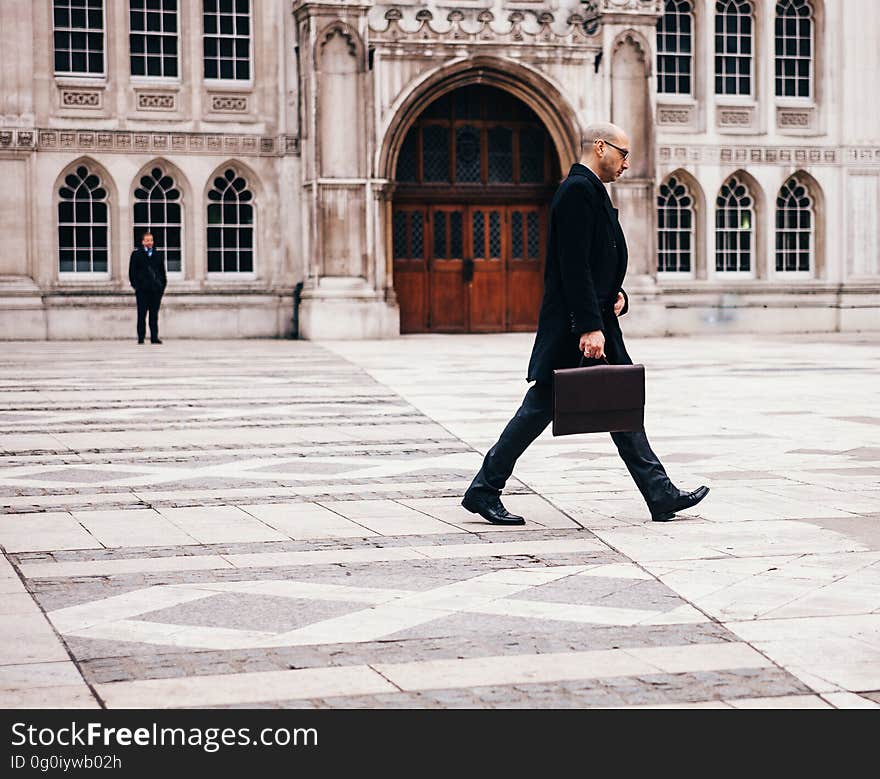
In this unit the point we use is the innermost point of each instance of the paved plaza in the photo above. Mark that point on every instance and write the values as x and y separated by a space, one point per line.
276 523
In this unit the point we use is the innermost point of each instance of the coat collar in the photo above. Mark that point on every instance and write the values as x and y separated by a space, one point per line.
582 170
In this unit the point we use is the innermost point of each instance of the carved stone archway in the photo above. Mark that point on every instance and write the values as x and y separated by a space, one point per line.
528 85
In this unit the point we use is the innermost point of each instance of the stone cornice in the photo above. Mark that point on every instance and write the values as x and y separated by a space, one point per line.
408 25
127 141
754 154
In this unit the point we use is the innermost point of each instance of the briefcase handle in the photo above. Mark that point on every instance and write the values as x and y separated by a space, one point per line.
595 359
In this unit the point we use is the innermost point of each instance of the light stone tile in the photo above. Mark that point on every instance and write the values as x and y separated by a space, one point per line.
124 566
221 525
512 669
48 531
700 657
33 675
17 603
28 638
254 688
497 549
780 702
167 634
618 571
689 540
567 612
686 705
137 527
303 521
61 696
848 700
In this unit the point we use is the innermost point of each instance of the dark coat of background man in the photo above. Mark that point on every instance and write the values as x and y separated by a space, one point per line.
146 272
583 297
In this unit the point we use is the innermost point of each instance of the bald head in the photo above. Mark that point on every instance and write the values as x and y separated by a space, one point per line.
604 149
601 131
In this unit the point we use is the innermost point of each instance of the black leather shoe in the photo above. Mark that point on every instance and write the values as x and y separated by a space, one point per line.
140 340
155 341
684 501
491 509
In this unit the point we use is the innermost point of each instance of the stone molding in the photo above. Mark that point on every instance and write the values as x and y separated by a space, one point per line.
52 139
17 139
675 115
156 101
474 25
82 98
776 155
736 117
796 119
229 103
632 6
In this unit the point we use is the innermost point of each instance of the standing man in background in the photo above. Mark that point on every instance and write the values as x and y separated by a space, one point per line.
146 272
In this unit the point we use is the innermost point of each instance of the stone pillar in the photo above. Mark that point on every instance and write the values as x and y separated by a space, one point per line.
344 289
629 42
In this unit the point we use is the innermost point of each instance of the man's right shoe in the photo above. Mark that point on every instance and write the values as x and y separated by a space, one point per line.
685 500
140 340
491 509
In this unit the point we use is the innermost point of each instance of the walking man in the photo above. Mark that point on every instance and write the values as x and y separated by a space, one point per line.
583 297
146 272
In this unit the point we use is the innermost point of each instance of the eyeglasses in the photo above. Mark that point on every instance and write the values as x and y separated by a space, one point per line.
624 152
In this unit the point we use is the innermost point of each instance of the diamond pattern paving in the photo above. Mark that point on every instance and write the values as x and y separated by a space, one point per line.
277 524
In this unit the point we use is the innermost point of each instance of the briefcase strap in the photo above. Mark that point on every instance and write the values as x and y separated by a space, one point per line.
594 359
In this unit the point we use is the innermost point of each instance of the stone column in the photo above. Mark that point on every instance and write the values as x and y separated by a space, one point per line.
629 41
344 290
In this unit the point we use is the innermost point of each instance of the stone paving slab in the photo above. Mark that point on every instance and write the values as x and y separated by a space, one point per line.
277 524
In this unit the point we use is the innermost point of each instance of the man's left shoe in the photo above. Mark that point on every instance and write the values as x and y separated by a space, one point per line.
155 340
685 500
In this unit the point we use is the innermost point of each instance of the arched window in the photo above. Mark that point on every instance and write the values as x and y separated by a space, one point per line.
734 217
675 50
794 228
230 225
157 209
675 228
794 48
734 49
82 224
479 136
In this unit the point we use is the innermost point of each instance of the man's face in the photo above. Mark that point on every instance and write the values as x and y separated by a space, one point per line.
614 162
147 241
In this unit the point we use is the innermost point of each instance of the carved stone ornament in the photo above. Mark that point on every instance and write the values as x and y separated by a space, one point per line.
229 103
474 25
765 154
162 101
80 98
123 141
794 118
735 117
674 116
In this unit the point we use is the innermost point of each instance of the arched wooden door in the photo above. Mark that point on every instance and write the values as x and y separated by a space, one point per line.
475 175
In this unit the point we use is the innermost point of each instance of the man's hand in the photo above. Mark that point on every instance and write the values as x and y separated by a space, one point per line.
619 303
593 345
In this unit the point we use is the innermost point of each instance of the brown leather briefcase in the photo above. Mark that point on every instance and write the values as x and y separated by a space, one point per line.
599 399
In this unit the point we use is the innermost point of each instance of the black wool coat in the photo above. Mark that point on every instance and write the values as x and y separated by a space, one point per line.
147 274
585 266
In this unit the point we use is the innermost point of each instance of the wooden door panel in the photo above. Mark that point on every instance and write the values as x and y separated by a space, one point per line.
409 244
525 278
447 299
488 313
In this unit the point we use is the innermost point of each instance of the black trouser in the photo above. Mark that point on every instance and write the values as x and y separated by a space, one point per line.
148 300
532 418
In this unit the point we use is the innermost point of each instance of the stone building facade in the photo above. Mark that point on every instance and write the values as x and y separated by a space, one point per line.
359 169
